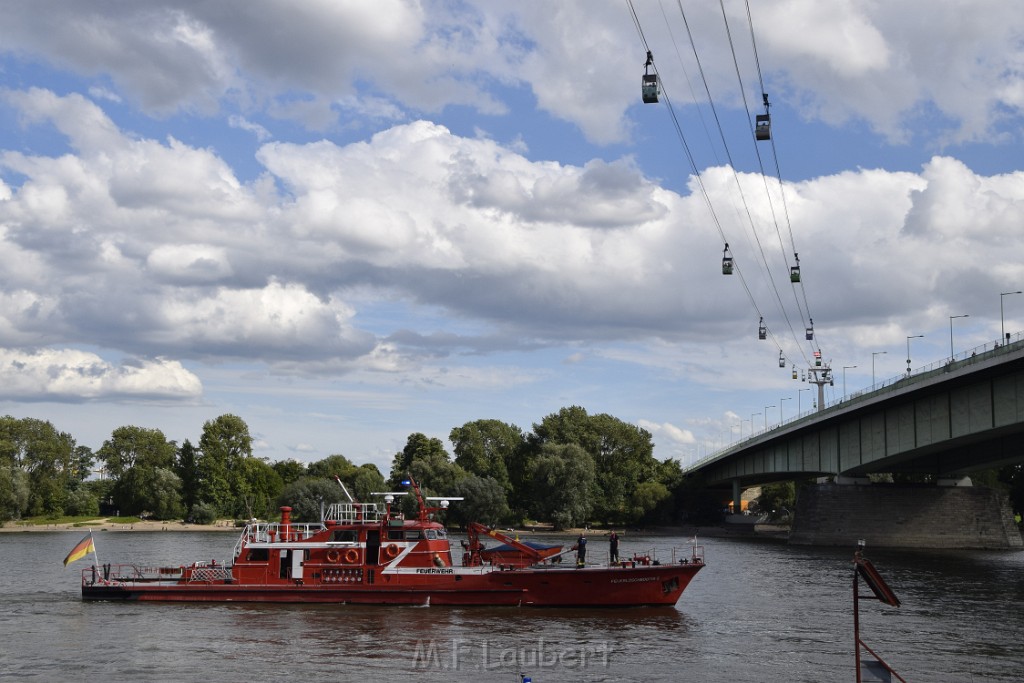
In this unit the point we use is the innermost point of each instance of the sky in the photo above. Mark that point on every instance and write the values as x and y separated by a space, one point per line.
347 222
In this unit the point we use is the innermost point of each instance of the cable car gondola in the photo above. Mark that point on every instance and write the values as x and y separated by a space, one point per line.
649 87
762 331
763 122
782 359
794 271
809 334
726 261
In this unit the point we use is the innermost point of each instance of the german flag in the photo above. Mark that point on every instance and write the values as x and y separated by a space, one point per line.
84 547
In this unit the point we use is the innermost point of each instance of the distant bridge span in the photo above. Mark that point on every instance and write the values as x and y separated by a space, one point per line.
946 420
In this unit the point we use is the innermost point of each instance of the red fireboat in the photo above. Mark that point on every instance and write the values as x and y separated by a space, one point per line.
360 553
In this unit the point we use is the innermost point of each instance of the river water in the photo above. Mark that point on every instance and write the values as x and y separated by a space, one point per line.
761 611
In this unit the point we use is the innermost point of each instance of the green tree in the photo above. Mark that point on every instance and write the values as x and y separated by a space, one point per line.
487 448
46 455
149 491
307 495
132 456
562 480
777 500
225 441
187 469
289 470
130 446
256 485
623 456
14 490
426 460
82 501
330 467
646 498
84 459
485 502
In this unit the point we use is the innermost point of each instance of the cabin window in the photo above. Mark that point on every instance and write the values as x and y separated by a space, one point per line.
259 555
395 534
345 536
413 534
431 534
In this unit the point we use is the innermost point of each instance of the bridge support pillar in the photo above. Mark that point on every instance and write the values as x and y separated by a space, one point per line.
737 507
888 515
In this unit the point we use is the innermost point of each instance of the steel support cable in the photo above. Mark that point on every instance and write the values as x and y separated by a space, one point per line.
778 169
768 194
689 84
721 132
693 163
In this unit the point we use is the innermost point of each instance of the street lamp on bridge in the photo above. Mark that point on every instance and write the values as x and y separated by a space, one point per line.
951 319
1002 320
873 354
845 368
752 422
766 417
786 398
798 407
916 336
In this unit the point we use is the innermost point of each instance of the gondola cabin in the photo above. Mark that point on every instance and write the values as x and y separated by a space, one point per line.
809 334
762 330
782 360
794 274
726 261
650 89
763 127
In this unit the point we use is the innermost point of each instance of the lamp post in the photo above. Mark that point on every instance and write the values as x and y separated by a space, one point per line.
873 354
951 319
1002 320
752 422
741 428
845 368
916 336
799 409
786 398
766 417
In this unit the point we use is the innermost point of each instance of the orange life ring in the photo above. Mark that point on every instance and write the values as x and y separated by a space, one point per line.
391 551
333 555
351 556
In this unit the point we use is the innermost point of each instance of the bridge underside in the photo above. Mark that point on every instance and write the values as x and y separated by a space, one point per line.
950 423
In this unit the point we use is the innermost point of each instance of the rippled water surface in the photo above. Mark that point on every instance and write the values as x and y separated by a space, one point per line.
760 611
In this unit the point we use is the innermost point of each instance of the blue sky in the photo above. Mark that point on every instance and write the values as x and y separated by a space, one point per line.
347 222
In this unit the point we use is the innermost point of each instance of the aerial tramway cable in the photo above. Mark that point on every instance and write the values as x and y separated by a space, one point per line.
730 266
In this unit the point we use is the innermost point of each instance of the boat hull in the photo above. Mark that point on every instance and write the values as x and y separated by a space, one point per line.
657 585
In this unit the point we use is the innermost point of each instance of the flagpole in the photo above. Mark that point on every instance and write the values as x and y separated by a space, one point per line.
95 555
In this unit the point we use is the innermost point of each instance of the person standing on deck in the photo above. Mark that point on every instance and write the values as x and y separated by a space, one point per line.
613 548
581 550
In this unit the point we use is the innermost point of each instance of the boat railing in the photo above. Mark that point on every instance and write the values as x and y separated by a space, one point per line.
692 554
275 532
210 573
353 513
132 572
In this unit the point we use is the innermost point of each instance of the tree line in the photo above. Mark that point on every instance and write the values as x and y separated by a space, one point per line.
572 468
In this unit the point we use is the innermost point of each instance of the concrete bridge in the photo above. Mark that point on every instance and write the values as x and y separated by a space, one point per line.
948 419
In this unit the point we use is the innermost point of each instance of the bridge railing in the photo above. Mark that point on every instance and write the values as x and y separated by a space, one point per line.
960 360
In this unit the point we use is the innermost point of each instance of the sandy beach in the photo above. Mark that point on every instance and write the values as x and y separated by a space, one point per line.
104 524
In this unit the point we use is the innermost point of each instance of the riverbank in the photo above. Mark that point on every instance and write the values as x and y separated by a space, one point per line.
104 524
